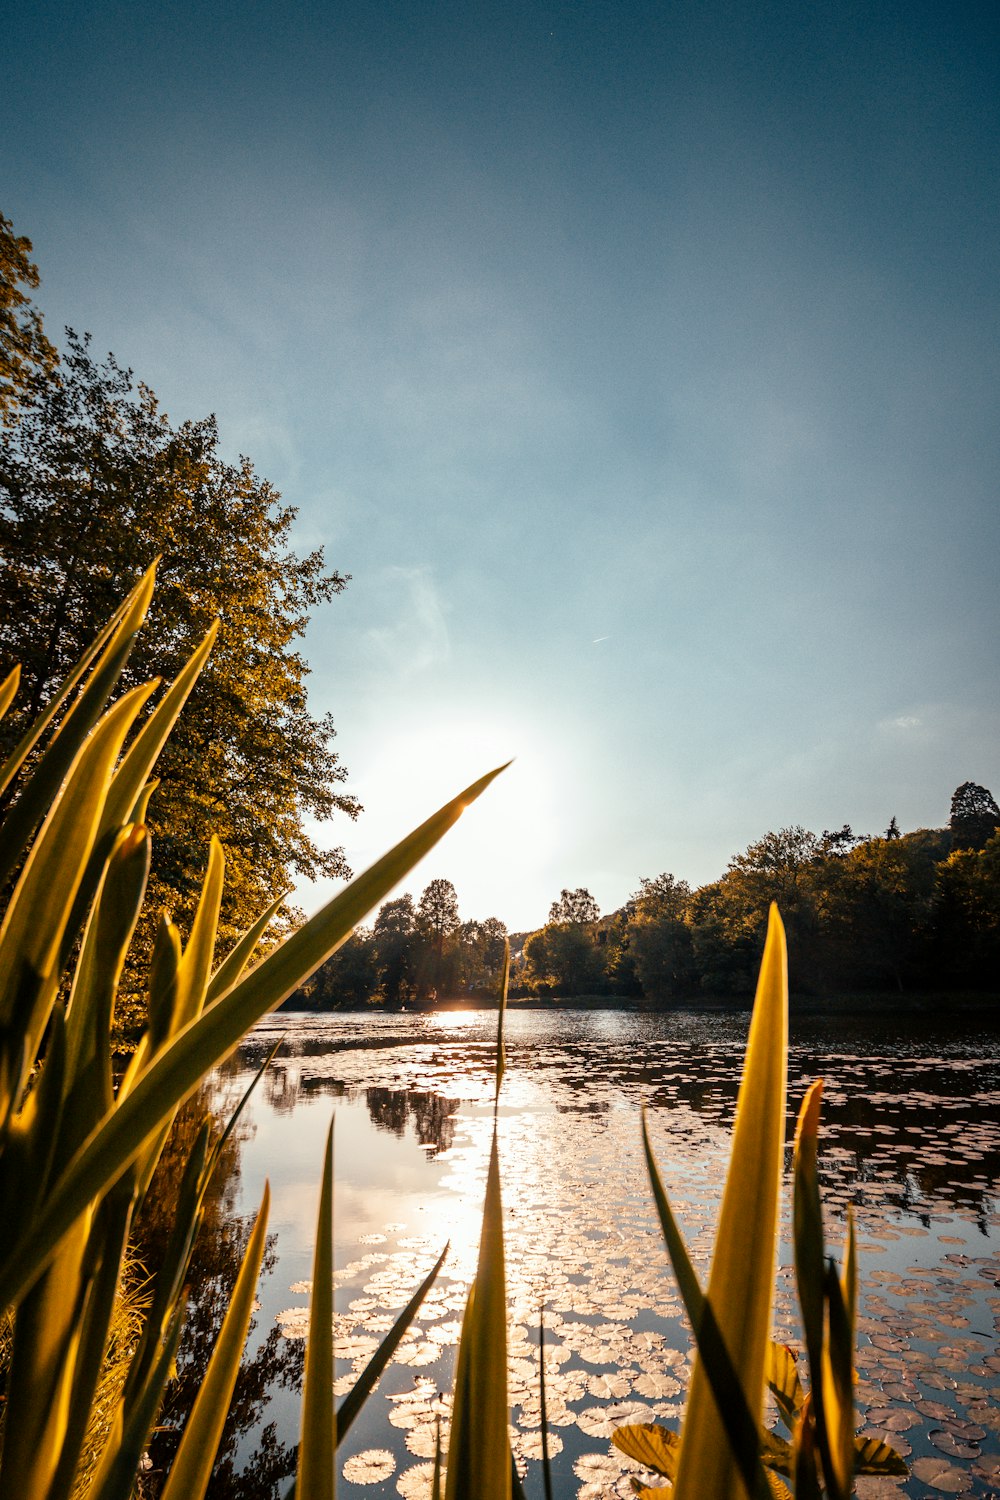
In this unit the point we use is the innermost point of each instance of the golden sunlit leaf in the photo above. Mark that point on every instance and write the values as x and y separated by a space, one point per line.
651 1444
741 1281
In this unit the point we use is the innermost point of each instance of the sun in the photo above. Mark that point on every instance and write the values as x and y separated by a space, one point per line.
490 853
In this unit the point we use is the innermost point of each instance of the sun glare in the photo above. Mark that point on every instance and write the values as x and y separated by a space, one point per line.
490 853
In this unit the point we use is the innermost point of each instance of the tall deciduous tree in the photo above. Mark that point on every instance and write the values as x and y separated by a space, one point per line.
95 483
437 923
659 937
393 935
574 906
975 816
25 352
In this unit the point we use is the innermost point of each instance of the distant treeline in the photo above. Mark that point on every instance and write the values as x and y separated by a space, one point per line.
898 912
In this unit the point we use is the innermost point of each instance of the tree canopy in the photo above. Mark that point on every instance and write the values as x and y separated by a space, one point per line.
574 906
975 816
25 352
95 482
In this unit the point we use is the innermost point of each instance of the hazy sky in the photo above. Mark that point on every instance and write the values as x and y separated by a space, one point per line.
639 361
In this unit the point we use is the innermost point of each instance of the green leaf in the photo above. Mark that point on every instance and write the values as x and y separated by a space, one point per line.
34 924
316 1478
808 1225
741 1282
8 689
111 651
777 1451
719 1367
479 1460
873 1456
240 954
179 1066
546 1461
501 1010
133 773
367 1380
115 1477
649 1443
192 1465
782 1374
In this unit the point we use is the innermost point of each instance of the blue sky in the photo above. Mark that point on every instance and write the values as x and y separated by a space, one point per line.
638 361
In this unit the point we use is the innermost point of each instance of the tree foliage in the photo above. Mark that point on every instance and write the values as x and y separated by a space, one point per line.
25 352
574 906
975 816
95 482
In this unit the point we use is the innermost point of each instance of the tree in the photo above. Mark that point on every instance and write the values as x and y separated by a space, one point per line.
659 937
393 938
94 484
968 915
480 950
574 906
437 911
565 958
348 978
892 832
437 923
25 352
975 816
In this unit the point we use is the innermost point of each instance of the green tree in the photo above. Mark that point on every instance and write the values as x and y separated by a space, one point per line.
968 915
25 352
393 938
564 958
875 908
348 978
437 923
94 483
975 816
480 950
659 937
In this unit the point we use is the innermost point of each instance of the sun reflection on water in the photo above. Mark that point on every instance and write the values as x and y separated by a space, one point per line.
909 1136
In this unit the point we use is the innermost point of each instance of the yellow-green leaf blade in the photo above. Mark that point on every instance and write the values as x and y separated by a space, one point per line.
649 1443
192 1465
316 1479
741 1282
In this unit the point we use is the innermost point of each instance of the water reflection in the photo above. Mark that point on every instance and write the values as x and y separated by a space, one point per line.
911 1136
253 1462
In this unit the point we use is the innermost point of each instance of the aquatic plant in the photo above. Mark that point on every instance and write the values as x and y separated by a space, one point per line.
722 1449
77 1152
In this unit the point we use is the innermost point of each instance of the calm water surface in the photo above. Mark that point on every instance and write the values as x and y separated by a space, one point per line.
911 1136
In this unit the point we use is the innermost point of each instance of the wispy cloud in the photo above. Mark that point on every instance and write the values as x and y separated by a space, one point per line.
416 637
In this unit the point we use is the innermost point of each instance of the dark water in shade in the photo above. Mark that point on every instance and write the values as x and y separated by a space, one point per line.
910 1135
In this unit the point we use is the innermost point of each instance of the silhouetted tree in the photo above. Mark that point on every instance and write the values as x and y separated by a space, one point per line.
574 906
393 938
975 816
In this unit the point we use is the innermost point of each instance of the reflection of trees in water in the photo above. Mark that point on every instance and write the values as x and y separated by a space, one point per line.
218 1253
431 1115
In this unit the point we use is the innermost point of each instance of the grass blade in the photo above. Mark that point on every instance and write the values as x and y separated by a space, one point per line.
236 960
178 1068
501 1012
479 1461
316 1479
546 1461
8 689
192 1465
741 1282
55 761
367 1380
719 1369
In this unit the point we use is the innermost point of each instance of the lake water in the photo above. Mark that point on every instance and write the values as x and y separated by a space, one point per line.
910 1135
